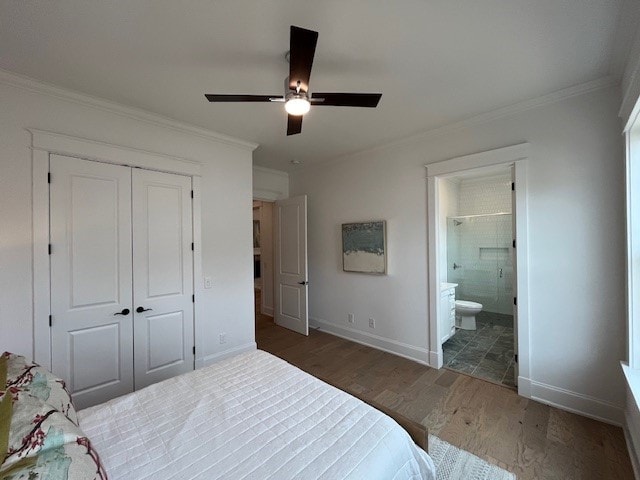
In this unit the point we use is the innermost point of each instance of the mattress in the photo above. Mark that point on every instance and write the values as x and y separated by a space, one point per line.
252 416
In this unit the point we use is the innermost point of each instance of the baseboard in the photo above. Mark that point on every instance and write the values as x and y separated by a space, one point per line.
268 311
420 355
435 360
216 357
574 402
524 387
631 447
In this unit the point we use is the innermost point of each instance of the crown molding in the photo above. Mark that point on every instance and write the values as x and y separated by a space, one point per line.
270 171
492 115
27 83
553 97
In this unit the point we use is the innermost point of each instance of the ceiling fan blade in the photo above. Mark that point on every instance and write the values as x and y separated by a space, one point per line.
294 124
369 100
242 98
302 48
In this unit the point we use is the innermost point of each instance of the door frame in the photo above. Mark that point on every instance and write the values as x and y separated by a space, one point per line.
43 144
517 156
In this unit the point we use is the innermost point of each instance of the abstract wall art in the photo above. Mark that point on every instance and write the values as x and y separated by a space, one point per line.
364 247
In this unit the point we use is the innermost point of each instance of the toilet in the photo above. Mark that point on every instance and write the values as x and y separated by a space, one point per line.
466 314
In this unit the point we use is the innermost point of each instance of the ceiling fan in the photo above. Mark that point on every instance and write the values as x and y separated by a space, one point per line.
297 99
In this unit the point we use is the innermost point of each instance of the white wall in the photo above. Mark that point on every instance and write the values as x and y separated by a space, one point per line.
226 207
576 244
270 184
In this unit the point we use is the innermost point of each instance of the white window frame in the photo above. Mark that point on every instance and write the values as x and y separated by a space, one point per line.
631 367
632 154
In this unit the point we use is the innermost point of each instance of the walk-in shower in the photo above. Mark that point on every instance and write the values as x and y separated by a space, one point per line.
479 260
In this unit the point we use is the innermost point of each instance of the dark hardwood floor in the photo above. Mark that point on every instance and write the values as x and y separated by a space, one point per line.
532 440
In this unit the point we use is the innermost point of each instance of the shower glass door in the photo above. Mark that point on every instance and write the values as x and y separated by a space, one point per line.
479 260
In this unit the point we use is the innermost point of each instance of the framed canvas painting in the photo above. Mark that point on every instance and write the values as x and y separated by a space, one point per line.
364 248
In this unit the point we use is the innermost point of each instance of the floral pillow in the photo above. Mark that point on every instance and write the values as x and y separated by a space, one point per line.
39 382
44 442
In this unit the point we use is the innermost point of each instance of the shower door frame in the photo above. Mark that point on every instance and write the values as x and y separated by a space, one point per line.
515 156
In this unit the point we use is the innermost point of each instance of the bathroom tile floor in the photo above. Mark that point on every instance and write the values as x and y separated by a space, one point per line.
486 352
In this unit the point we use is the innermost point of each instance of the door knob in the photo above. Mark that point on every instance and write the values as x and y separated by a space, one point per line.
125 311
303 283
142 309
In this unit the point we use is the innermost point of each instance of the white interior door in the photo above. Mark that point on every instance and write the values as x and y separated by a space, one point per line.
91 282
514 276
291 280
162 276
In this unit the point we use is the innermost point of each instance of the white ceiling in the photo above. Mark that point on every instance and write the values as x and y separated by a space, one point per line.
435 61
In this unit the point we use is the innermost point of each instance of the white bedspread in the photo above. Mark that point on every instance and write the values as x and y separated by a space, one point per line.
252 416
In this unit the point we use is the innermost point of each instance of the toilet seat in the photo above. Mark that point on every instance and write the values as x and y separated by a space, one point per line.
468 304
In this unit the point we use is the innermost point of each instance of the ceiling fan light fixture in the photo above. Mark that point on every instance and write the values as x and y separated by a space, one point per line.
297 99
297 104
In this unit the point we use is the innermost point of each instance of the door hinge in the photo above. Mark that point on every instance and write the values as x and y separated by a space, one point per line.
515 358
192 246
513 186
48 177
191 193
514 244
50 320
515 300
193 298
50 249
194 350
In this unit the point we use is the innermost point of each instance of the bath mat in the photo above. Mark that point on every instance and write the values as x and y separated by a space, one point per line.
453 463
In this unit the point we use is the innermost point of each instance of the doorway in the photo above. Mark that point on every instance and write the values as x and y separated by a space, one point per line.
280 262
478 247
471 328
263 261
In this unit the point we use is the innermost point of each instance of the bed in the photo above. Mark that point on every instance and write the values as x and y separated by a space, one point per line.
251 416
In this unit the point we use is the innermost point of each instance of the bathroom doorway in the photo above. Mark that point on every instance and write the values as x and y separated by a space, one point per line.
479 272
477 236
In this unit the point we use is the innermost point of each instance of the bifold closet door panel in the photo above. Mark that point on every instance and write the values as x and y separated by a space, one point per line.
162 276
91 278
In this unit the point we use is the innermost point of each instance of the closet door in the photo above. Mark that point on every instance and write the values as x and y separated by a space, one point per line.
162 276
91 281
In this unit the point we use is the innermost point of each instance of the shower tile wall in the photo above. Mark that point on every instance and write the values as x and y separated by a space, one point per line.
485 195
482 245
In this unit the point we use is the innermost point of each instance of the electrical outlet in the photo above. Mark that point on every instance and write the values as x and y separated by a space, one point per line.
207 282
350 318
223 338
372 323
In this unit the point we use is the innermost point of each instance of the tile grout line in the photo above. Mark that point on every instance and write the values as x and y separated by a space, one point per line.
489 347
485 353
